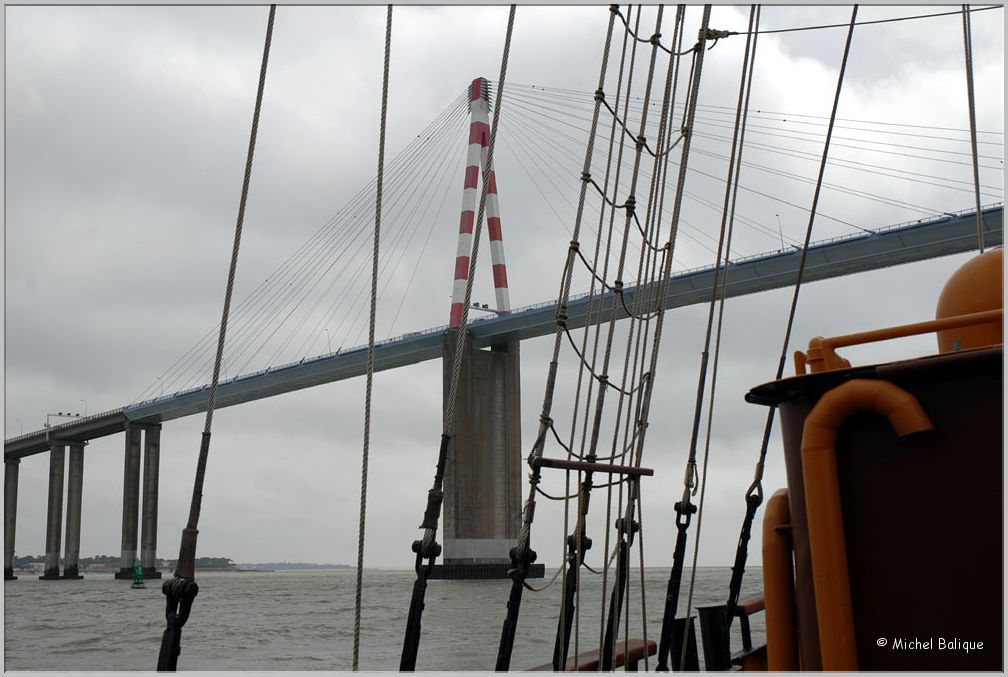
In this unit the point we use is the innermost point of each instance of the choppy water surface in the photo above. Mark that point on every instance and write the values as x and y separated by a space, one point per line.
304 621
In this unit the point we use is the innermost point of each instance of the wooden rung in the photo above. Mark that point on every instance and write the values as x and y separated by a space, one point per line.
593 467
750 605
589 660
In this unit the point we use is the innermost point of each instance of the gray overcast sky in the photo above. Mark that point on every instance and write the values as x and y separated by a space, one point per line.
126 131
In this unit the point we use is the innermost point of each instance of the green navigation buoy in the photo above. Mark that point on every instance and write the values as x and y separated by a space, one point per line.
138 576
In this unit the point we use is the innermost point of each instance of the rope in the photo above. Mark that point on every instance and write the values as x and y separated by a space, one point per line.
869 23
754 494
371 346
696 70
637 333
180 590
522 555
576 556
743 109
968 47
427 548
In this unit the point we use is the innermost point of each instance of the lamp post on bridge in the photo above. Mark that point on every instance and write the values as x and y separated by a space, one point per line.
487 309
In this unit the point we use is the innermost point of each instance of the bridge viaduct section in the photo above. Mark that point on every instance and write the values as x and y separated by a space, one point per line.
487 453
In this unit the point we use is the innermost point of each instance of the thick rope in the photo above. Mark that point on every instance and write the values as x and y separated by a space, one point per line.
427 548
371 347
968 47
181 589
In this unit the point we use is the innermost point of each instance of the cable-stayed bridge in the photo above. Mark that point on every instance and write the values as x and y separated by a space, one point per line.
324 282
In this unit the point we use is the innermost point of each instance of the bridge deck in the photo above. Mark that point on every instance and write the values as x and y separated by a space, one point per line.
893 245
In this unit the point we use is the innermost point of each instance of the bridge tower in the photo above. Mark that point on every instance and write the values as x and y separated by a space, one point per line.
482 503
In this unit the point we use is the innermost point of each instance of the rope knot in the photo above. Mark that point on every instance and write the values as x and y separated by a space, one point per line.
714 34
655 39
614 9
586 176
599 95
574 245
641 141
561 318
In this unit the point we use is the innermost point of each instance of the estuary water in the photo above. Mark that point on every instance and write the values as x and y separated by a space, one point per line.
304 620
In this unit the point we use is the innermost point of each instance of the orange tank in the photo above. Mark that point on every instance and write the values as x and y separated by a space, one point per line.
977 286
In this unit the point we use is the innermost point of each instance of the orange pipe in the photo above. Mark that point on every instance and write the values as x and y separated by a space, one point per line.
822 503
821 354
778 586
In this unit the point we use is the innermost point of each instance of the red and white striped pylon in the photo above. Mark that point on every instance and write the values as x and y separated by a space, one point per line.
479 141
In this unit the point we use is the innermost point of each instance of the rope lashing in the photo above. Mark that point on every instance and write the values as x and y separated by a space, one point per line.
576 549
428 547
181 589
371 347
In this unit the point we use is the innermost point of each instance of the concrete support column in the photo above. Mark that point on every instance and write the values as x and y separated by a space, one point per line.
148 524
75 493
131 503
54 516
10 515
483 478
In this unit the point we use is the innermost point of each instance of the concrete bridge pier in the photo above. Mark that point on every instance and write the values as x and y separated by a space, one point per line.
54 516
483 478
131 496
10 515
148 525
75 494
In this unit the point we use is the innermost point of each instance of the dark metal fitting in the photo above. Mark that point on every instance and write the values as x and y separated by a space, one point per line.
433 511
688 510
599 95
572 542
754 496
621 526
426 553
